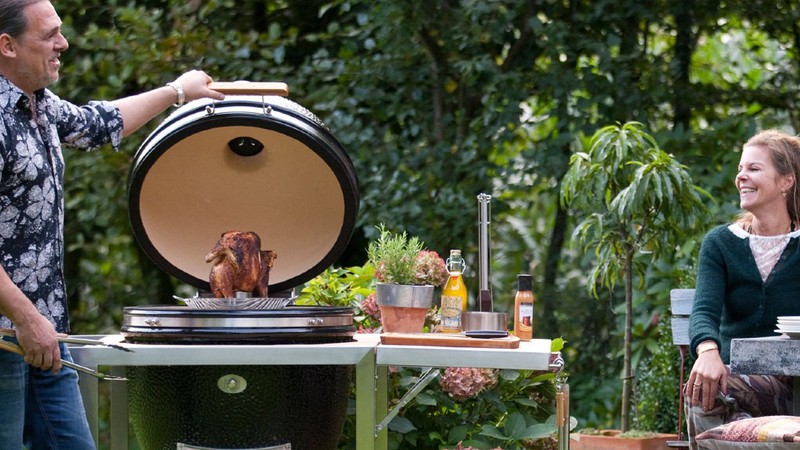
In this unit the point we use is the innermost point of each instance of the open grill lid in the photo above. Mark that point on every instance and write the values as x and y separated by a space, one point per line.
248 163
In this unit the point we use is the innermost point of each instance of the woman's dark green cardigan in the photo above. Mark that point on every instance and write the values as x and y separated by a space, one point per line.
731 300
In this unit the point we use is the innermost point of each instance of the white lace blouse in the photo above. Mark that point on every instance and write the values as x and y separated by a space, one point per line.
766 249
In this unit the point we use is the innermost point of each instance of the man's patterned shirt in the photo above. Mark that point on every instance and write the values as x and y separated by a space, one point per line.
31 188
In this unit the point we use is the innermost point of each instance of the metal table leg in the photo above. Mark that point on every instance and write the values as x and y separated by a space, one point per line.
563 421
89 388
381 399
562 416
366 412
119 411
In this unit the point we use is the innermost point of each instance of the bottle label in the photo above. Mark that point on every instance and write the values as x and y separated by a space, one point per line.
525 316
451 313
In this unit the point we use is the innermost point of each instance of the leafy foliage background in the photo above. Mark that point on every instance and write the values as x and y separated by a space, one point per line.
436 102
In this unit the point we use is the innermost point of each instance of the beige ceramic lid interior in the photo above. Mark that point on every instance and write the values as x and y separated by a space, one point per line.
199 189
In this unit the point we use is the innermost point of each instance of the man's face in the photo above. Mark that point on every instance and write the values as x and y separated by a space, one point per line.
39 47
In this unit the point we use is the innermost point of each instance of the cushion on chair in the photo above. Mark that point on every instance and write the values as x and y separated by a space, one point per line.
768 432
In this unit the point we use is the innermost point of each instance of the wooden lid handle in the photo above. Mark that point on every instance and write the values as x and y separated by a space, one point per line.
250 88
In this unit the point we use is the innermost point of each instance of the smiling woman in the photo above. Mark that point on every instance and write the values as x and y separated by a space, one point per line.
765 179
736 298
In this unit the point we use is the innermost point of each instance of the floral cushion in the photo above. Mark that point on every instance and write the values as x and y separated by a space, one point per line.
768 432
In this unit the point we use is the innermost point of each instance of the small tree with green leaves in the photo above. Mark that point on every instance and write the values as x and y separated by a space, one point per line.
633 198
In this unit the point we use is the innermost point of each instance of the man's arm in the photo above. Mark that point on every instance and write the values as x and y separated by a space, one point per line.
139 109
35 333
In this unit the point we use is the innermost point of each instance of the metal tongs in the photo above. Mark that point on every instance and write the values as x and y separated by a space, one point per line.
15 348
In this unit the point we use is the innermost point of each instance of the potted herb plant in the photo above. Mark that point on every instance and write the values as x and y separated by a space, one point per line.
407 275
636 201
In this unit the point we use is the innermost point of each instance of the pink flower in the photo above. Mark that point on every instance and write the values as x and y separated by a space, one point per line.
461 447
370 307
379 271
462 383
366 330
430 268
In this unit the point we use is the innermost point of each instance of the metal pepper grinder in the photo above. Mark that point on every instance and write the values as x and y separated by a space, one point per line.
484 322
485 292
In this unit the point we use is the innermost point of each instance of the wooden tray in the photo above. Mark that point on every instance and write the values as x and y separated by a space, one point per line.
447 340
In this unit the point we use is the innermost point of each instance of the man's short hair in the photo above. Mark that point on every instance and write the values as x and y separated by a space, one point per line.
12 16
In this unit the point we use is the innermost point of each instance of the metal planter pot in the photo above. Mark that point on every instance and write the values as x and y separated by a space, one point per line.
403 306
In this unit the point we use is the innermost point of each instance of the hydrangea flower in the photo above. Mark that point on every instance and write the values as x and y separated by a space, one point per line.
461 447
430 268
462 383
370 307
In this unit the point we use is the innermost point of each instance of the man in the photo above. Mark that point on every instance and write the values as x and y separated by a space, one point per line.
40 405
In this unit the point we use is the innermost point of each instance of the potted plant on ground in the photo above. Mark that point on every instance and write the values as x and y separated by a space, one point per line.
407 275
592 439
636 201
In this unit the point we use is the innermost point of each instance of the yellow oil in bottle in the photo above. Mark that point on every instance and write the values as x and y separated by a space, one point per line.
454 294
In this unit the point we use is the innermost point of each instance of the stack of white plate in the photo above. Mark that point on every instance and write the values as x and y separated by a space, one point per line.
789 325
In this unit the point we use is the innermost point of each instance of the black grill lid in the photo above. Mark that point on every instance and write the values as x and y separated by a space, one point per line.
248 163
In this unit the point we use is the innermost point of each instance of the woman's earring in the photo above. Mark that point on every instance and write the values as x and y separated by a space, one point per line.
783 193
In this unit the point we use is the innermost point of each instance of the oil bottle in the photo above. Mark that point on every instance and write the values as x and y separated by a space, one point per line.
523 307
454 294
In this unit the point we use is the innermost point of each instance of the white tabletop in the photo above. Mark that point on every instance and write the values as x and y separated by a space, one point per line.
531 355
345 353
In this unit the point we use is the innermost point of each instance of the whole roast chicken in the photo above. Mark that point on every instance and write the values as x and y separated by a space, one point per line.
239 264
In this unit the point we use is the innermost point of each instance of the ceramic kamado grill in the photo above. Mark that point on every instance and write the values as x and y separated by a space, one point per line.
259 162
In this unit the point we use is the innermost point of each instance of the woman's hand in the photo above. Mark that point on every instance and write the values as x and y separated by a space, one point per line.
708 376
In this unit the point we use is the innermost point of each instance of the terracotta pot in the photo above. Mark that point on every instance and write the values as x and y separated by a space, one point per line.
609 440
399 319
403 306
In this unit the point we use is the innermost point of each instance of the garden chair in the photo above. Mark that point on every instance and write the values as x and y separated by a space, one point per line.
681 306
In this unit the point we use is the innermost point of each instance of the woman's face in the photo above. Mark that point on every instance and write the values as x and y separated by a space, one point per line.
760 185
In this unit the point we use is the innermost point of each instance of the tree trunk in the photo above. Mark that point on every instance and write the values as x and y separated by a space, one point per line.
627 372
684 48
549 298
